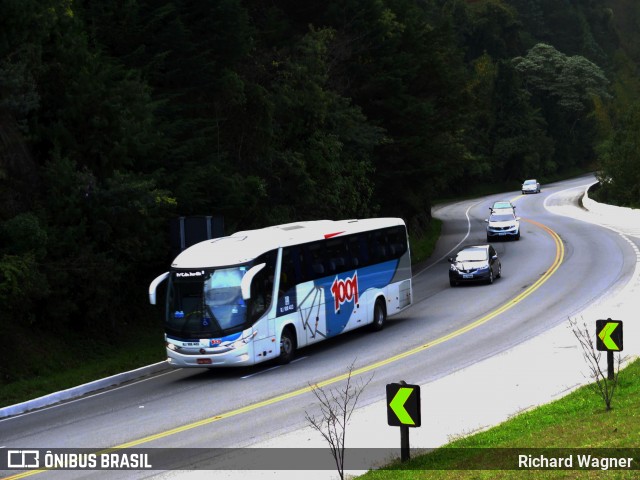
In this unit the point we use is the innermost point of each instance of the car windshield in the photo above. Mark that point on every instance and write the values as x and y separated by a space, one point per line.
501 218
529 182
472 255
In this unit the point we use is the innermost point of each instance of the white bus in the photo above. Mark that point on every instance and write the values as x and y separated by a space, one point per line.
261 294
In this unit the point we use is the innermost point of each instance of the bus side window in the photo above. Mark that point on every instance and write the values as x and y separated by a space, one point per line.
314 261
353 251
262 285
377 247
396 237
363 242
337 254
288 274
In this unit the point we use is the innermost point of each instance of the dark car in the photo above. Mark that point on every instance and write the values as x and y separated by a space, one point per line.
477 263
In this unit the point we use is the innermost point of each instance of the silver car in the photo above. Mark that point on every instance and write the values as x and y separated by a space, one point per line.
530 186
503 223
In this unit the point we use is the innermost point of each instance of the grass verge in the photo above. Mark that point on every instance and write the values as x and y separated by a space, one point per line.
422 246
576 421
69 363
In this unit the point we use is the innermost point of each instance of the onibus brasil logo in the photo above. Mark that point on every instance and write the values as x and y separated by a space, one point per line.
64 459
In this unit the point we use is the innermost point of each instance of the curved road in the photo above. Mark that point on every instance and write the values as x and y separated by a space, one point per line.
558 267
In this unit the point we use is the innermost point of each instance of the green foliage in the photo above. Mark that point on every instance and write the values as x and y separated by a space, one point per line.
23 234
571 81
23 244
319 164
101 232
582 27
21 283
564 88
114 118
493 28
619 173
523 148
406 73
576 421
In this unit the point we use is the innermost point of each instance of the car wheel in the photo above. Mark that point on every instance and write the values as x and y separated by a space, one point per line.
518 236
488 238
490 281
499 274
287 346
453 283
379 316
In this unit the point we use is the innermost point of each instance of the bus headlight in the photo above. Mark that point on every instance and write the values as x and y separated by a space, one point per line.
172 346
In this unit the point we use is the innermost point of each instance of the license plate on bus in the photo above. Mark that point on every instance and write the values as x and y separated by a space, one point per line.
467 275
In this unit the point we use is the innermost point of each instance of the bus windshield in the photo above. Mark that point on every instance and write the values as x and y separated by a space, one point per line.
206 303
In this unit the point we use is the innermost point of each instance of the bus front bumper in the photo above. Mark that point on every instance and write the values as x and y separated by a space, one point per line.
233 357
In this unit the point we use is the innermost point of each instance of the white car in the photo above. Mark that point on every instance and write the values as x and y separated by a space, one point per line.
530 186
503 223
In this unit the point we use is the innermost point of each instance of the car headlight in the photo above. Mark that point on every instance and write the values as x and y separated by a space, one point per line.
453 267
482 268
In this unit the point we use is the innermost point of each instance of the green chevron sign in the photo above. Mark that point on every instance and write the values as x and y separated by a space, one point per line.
609 335
403 405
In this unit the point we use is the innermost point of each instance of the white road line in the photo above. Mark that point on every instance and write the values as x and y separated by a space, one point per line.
622 303
454 248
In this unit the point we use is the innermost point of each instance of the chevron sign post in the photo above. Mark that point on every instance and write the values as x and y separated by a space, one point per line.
609 339
403 410
609 335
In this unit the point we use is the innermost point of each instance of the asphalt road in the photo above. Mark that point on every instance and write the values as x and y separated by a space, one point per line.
558 267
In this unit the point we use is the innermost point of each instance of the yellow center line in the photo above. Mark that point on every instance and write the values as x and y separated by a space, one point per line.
503 308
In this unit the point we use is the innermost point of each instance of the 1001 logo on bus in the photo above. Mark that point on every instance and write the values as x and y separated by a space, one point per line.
344 290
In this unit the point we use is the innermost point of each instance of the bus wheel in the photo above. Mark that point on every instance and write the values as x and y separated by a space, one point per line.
287 346
379 315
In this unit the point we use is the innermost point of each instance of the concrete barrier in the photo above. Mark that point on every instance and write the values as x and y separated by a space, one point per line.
80 390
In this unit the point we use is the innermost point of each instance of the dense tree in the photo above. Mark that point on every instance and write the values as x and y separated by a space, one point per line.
564 88
400 62
580 27
493 28
319 164
114 118
619 173
60 149
509 135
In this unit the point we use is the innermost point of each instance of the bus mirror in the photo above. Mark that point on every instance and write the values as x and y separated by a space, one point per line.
245 284
154 285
